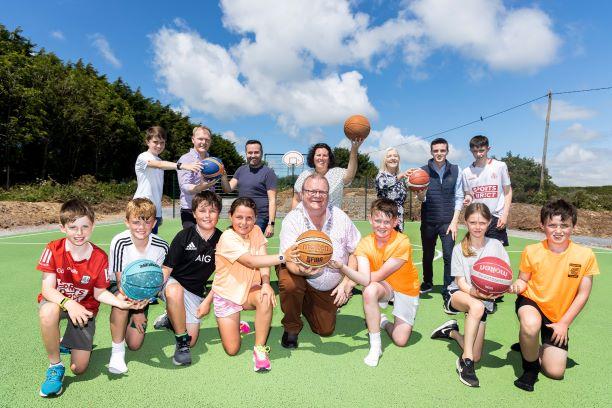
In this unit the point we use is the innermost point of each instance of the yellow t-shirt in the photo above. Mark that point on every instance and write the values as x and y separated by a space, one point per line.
555 278
232 279
406 279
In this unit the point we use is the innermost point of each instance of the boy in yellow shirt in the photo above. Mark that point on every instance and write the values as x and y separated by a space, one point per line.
554 284
386 270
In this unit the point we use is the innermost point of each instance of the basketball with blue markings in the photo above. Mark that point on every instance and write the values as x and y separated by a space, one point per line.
212 168
142 279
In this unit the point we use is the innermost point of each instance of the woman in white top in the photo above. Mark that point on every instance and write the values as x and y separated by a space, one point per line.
390 183
321 160
464 297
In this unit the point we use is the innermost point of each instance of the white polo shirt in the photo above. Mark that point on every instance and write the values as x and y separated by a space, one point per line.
340 229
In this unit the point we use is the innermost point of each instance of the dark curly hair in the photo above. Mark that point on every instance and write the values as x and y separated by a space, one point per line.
313 149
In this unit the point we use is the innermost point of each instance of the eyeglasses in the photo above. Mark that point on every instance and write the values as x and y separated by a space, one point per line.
316 192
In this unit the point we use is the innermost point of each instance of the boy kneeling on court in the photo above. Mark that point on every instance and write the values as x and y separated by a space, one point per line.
554 284
137 242
74 282
189 264
386 270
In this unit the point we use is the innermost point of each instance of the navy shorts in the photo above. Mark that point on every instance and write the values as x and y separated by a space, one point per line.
545 331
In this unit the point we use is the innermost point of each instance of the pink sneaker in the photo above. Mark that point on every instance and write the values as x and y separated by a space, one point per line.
244 327
260 358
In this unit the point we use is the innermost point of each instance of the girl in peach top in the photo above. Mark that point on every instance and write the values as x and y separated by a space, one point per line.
242 281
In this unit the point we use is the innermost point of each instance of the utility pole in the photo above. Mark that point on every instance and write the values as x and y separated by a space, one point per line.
545 140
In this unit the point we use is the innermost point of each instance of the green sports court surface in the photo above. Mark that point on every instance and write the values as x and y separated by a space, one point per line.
322 372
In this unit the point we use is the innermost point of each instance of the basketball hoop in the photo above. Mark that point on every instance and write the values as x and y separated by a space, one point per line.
293 158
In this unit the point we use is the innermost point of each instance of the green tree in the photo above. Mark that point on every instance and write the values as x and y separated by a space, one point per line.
525 178
365 167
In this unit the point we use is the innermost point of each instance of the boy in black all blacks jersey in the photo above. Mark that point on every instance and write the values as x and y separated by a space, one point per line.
189 264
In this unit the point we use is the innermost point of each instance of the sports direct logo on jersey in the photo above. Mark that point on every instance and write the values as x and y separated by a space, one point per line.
490 191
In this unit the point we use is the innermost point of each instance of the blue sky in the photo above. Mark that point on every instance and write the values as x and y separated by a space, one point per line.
289 73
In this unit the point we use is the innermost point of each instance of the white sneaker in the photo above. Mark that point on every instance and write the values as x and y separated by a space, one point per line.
117 365
383 321
372 358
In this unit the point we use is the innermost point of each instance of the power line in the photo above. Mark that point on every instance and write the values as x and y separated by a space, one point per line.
483 118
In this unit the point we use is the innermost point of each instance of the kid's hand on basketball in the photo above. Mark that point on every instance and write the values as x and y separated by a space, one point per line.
137 305
196 167
266 294
292 253
518 287
77 313
559 336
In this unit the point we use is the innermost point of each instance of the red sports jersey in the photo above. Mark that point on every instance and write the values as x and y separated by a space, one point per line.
76 280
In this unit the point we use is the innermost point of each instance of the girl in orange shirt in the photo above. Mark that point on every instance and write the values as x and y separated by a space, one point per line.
242 281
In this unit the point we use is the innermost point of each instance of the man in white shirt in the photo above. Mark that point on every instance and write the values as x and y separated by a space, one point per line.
315 293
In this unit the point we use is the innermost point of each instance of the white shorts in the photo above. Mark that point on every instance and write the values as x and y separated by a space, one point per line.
191 301
404 307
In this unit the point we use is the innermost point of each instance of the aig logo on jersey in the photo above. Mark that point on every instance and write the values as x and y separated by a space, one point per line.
191 247
204 258
85 279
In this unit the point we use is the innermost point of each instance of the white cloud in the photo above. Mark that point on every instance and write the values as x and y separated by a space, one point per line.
299 61
58 35
237 140
575 165
101 44
518 39
413 150
562 110
577 132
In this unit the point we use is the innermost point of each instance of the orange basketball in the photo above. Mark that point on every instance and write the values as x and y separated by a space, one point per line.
315 248
418 180
357 127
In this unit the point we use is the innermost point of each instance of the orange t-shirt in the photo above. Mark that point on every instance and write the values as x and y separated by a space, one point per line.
406 279
555 278
233 280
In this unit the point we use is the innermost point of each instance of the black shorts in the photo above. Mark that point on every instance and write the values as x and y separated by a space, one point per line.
450 307
187 218
545 331
499 234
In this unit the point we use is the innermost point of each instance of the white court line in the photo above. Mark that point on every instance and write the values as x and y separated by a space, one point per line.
51 231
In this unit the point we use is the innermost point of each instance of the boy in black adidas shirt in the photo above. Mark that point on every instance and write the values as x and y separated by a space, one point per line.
189 264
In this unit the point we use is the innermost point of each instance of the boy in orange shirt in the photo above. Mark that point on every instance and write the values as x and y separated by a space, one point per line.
386 270
554 284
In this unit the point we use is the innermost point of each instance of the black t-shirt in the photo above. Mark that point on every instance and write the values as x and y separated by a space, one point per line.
192 259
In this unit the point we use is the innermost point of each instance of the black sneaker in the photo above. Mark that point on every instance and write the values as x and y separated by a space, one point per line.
446 305
182 353
443 332
516 347
426 287
163 322
289 340
467 373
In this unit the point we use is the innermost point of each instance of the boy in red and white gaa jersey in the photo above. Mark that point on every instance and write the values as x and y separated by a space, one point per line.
487 181
74 282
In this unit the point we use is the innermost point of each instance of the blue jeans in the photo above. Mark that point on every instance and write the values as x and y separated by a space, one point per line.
262 223
429 236
157 224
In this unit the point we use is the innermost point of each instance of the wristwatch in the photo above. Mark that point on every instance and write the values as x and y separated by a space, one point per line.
62 304
178 165
282 259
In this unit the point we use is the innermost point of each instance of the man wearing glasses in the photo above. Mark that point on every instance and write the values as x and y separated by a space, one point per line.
315 293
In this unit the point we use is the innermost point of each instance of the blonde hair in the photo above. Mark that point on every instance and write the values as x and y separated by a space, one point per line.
141 208
383 162
483 210
204 128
